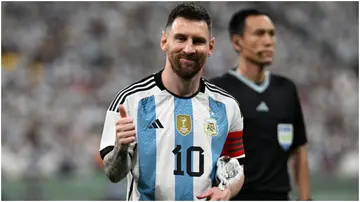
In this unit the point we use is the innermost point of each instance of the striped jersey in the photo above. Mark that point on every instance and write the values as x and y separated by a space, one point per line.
178 139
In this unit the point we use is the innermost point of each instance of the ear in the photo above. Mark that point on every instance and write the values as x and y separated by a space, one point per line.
211 46
236 42
163 41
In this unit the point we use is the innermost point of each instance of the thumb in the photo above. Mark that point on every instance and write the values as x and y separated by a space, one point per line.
122 111
206 194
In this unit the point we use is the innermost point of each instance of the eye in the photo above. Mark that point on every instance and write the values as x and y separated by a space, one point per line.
199 41
272 33
259 32
180 38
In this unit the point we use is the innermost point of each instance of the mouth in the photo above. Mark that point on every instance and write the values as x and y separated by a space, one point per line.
267 53
185 60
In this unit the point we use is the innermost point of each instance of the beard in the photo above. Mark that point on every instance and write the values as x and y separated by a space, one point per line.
188 68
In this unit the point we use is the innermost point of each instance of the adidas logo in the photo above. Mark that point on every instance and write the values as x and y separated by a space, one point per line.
156 124
262 107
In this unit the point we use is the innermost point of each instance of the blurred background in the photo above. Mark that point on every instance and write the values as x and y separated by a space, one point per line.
63 62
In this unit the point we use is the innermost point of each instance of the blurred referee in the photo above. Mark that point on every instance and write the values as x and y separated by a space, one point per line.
274 129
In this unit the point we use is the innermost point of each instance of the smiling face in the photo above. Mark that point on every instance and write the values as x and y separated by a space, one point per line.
187 45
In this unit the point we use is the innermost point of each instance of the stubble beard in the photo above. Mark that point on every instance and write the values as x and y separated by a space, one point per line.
186 72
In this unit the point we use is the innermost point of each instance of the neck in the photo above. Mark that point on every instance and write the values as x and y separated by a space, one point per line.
177 85
251 71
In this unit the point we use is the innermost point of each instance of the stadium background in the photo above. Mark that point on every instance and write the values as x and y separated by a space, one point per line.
63 62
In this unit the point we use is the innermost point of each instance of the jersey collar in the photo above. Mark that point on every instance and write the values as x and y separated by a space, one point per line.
258 88
161 86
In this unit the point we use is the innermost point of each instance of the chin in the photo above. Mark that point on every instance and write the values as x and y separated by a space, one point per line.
186 74
266 62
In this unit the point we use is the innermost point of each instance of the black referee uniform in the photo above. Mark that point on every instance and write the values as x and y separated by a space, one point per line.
273 126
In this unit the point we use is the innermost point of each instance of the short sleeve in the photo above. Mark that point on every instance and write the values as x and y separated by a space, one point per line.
233 146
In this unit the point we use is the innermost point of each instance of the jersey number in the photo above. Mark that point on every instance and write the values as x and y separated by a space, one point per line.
189 151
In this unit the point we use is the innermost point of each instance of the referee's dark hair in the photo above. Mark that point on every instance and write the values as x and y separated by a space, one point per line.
190 11
237 22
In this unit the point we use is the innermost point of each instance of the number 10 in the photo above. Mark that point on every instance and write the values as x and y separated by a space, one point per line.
179 171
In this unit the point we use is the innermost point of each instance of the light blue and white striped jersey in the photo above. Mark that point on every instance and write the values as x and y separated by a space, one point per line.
178 140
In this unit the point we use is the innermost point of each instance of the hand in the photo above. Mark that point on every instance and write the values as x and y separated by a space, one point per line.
216 194
125 130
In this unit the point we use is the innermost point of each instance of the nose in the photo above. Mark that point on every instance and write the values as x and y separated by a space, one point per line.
268 40
189 47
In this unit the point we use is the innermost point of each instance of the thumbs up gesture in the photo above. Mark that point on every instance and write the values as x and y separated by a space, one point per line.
125 129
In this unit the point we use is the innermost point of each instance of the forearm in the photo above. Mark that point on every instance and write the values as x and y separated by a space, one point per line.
301 174
236 186
116 164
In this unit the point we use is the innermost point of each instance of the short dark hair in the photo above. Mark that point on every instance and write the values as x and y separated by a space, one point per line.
189 11
237 22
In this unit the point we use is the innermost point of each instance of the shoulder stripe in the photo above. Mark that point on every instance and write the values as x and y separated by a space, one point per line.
216 89
132 86
136 85
219 92
139 83
124 95
140 89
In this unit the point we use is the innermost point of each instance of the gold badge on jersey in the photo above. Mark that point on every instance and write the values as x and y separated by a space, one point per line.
210 127
183 124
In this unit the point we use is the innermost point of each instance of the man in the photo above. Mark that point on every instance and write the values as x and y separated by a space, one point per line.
274 126
173 125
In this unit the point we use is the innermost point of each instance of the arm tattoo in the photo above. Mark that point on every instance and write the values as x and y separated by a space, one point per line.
116 164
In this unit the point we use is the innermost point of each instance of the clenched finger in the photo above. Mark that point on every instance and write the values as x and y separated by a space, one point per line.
127 140
125 127
126 134
124 120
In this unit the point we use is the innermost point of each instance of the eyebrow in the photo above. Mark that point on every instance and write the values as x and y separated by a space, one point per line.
270 30
201 38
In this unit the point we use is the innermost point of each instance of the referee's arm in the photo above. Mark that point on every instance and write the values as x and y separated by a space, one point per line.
301 173
299 154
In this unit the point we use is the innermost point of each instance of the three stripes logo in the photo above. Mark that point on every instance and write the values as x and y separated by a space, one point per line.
156 124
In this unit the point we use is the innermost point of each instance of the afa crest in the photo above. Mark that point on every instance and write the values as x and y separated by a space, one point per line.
183 124
210 127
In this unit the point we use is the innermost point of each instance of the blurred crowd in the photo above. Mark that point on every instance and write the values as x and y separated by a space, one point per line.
63 62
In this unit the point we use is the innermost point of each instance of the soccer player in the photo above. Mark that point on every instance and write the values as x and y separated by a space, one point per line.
274 126
167 131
